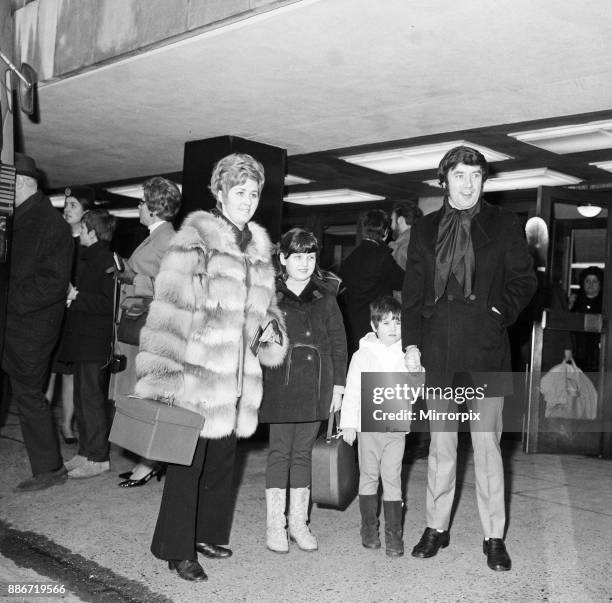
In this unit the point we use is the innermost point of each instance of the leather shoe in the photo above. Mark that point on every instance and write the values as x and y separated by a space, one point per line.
497 556
188 570
213 551
43 480
430 542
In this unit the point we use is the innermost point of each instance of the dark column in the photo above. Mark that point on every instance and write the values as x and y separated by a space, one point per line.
199 160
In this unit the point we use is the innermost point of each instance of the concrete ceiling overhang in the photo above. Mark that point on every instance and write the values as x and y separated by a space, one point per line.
327 74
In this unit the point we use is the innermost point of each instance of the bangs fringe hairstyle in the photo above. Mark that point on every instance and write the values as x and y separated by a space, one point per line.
298 240
465 155
381 306
101 222
233 170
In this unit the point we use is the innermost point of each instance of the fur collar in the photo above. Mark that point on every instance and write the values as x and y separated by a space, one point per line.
212 233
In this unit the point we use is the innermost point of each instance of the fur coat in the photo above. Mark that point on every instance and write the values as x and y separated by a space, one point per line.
210 297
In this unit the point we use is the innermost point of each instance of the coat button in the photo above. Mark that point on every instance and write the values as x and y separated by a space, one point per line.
307 333
309 357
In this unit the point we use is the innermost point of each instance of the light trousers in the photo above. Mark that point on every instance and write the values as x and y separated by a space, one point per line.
380 457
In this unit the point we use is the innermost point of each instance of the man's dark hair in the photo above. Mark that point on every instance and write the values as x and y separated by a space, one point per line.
465 155
375 224
407 210
101 222
381 306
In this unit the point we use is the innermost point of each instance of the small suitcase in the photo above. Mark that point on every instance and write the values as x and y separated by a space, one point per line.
156 430
335 473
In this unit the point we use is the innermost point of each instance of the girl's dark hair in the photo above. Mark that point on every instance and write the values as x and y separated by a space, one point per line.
465 155
298 240
382 306
101 222
591 270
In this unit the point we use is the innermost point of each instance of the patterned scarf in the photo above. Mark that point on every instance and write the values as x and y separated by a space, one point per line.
454 250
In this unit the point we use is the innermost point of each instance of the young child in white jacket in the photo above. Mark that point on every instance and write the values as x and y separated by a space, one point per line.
380 453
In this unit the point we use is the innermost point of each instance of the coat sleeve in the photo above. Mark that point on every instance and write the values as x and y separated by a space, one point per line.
350 415
394 273
96 302
337 337
520 282
413 293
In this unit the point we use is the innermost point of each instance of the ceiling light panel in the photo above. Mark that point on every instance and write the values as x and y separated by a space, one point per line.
133 190
331 197
603 165
124 213
415 159
570 139
523 179
291 180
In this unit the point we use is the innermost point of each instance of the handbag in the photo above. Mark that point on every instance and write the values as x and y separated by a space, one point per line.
335 473
568 393
156 429
134 312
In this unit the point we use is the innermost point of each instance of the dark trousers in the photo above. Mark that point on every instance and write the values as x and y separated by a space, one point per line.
37 424
90 410
290 454
196 505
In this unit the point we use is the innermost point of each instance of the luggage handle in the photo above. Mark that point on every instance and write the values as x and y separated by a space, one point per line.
330 426
168 399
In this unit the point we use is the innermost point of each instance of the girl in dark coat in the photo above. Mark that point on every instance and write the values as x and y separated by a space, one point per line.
299 395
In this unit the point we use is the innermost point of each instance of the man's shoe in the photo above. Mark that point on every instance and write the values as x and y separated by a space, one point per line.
188 570
75 461
43 480
89 469
430 542
497 556
213 551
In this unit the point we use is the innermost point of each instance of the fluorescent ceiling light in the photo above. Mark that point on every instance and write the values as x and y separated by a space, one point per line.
415 159
57 200
128 212
588 210
570 139
521 179
291 180
331 197
133 190
603 165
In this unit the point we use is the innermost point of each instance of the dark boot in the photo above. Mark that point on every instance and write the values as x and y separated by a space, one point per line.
393 528
368 505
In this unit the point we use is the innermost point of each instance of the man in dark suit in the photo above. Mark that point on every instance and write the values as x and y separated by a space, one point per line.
369 272
40 262
468 275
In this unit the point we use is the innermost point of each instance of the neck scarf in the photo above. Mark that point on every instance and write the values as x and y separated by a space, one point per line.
243 237
454 250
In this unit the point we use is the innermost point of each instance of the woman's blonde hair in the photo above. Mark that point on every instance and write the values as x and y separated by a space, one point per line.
233 170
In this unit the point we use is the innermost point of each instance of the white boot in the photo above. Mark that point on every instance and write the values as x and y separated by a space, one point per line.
298 516
276 534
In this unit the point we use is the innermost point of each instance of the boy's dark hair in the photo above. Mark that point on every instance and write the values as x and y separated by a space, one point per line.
375 224
411 212
101 222
381 306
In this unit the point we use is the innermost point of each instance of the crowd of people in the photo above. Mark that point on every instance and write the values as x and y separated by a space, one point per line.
436 301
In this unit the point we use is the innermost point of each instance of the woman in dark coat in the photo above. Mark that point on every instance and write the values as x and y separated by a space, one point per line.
299 395
88 335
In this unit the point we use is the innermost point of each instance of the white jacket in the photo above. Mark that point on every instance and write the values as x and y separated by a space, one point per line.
372 356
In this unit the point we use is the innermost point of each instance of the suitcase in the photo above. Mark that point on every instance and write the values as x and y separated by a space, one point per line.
335 473
156 430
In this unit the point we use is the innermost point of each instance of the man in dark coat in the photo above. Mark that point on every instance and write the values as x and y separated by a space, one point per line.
41 256
468 276
369 272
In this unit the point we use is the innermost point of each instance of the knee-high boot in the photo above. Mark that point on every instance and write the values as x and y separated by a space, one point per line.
394 544
276 534
368 505
298 518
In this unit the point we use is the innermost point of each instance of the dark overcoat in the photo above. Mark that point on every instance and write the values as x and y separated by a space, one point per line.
89 321
41 258
367 273
301 389
456 335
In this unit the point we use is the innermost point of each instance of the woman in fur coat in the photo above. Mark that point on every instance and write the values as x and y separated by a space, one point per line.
215 288
299 394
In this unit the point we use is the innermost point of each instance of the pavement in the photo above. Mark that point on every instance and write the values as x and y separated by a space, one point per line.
93 538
